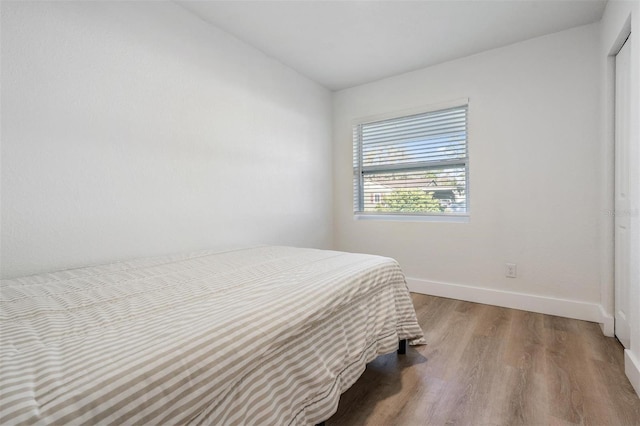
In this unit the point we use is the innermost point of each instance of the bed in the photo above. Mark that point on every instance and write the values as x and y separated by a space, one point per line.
259 335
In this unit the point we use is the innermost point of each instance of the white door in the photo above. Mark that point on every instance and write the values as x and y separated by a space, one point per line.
622 202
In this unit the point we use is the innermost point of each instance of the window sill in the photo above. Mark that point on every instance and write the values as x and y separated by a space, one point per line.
413 218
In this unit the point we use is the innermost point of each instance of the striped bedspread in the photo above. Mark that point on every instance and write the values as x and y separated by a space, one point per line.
261 336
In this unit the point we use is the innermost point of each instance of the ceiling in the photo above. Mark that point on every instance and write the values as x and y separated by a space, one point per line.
341 44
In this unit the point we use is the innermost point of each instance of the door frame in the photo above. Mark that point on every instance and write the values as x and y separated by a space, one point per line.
607 267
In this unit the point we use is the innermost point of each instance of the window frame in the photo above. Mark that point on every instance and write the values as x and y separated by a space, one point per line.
358 173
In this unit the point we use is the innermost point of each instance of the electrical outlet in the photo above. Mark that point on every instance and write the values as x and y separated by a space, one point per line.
510 270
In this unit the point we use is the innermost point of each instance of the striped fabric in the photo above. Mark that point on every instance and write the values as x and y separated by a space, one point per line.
262 335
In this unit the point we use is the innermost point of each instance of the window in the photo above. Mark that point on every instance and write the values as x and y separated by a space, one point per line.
413 165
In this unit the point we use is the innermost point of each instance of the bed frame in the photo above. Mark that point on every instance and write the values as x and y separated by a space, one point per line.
402 350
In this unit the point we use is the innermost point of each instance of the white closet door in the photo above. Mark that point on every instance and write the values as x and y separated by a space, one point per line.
622 200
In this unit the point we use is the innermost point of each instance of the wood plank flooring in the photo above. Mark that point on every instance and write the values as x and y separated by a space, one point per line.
485 365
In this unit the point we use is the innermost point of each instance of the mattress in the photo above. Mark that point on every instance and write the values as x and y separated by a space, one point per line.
259 335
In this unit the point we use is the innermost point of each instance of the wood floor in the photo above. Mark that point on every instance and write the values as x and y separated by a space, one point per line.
485 365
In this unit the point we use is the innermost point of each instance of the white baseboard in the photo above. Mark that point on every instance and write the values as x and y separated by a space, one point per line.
632 369
508 299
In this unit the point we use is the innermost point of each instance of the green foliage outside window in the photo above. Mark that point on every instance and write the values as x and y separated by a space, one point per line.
409 200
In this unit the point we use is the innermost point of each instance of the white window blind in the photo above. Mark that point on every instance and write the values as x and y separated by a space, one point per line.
412 165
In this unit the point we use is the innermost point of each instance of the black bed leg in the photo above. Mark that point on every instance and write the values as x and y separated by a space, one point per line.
402 349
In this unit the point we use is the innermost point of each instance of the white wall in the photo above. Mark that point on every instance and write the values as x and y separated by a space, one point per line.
534 183
619 18
134 128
